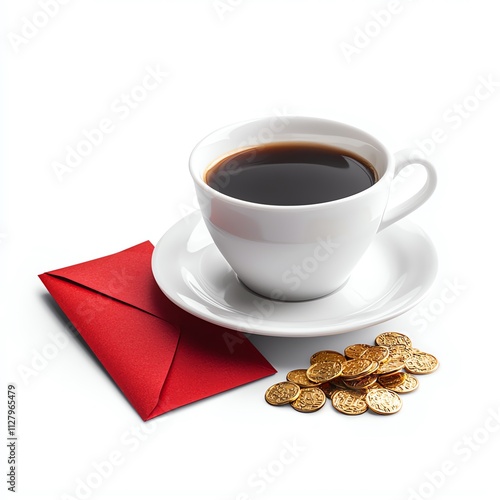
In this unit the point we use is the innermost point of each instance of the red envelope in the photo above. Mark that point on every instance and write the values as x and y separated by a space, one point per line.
159 356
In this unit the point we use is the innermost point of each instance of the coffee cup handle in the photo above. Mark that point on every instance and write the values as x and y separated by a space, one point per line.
403 159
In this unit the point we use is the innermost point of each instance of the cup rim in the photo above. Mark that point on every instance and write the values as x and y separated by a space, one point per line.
197 175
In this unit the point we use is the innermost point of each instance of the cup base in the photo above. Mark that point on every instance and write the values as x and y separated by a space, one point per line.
292 299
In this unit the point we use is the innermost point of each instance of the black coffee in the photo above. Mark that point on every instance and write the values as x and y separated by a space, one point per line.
293 173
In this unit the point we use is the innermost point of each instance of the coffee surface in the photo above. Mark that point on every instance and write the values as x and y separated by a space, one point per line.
291 174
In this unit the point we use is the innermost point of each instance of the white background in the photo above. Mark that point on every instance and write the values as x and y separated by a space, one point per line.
228 63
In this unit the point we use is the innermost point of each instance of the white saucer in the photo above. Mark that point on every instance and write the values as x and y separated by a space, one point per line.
392 277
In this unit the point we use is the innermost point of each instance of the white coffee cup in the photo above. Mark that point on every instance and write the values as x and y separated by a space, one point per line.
300 252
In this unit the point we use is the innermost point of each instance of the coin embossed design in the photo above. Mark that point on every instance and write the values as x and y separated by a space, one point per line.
317 357
299 377
349 402
324 371
310 399
282 393
420 363
355 367
376 353
355 350
383 401
399 352
393 338
410 384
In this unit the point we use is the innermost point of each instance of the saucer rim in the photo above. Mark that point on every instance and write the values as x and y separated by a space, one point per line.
301 332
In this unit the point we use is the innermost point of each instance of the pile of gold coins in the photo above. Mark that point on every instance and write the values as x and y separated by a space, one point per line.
364 377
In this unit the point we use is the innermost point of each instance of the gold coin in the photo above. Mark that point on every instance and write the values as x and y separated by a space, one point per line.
392 380
393 338
324 371
355 368
410 384
349 402
383 401
361 383
372 368
282 393
390 366
317 357
355 350
399 352
367 377
299 377
376 353
420 363
310 399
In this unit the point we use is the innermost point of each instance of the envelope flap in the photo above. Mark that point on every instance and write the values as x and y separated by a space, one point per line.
124 276
135 331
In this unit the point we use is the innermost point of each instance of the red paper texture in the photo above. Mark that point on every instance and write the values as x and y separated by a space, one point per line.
159 356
